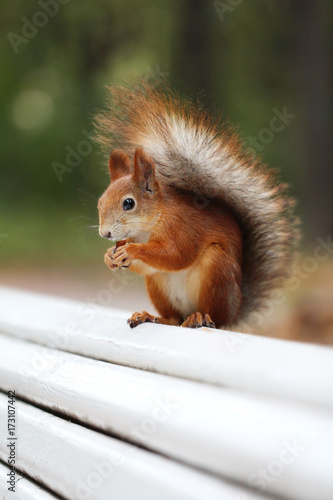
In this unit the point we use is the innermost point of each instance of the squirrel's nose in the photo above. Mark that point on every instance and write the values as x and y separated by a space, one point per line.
106 234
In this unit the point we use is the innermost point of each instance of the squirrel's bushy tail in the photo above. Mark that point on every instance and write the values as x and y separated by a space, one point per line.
192 151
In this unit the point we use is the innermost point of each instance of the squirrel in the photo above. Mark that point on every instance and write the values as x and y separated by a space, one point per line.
209 226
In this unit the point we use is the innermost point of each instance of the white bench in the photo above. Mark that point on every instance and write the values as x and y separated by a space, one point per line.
159 412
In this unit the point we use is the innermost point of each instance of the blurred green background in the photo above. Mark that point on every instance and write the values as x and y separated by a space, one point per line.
251 60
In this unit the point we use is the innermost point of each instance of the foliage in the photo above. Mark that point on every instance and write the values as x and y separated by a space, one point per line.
54 82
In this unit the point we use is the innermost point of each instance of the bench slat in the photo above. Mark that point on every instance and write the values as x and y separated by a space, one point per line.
25 489
222 431
290 370
80 463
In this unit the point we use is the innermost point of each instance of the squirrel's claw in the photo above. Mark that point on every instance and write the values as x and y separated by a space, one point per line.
208 322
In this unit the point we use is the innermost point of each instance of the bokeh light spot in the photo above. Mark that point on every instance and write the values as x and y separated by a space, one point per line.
32 109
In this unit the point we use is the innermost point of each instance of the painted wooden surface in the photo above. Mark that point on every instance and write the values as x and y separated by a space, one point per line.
214 412
25 488
289 370
79 463
223 431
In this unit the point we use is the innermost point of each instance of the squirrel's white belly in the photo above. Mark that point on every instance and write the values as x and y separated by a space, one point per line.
182 289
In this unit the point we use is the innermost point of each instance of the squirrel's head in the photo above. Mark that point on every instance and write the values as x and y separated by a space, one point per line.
131 204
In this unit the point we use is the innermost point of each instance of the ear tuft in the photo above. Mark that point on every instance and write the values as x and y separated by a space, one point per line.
144 170
119 164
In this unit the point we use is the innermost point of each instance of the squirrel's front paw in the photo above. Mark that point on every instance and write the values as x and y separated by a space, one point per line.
120 258
108 258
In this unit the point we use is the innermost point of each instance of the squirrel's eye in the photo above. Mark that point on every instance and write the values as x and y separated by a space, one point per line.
128 204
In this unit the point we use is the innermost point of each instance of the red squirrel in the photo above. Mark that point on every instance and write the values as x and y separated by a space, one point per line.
208 226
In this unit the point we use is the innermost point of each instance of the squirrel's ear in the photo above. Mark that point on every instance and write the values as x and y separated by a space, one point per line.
144 171
119 164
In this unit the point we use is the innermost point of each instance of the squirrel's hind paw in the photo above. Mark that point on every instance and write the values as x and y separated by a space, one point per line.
196 320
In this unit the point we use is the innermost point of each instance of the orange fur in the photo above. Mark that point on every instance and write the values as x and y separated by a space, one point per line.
197 153
191 255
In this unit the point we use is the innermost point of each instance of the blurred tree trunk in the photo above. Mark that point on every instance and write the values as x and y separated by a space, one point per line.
192 61
314 69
